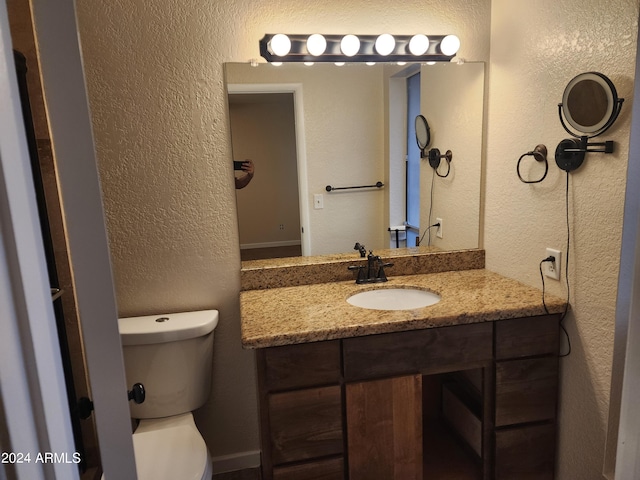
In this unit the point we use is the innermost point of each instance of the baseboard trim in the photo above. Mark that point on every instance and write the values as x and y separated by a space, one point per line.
236 461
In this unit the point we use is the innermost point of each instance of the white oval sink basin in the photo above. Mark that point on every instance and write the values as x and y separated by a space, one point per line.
394 299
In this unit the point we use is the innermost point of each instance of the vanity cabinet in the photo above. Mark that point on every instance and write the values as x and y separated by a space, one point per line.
360 408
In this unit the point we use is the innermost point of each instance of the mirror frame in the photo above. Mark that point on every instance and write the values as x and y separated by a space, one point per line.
613 105
422 122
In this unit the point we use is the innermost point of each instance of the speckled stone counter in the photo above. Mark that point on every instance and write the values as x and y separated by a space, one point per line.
310 313
287 272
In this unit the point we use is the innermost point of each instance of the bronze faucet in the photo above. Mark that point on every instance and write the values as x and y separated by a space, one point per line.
373 271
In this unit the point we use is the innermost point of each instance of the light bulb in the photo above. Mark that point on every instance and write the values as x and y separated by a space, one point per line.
316 44
280 45
385 44
450 45
419 44
350 45
371 64
276 64
309 64
339 64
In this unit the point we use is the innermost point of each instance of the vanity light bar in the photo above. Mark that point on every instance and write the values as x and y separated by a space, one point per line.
358 48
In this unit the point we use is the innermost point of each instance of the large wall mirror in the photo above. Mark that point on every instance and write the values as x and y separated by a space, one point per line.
309 127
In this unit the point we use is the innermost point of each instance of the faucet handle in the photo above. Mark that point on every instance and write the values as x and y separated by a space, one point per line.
361 275
382 277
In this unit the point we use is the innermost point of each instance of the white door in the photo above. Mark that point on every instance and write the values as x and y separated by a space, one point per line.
37 395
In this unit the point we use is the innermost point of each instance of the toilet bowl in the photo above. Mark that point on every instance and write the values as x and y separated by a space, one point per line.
171 355
171 448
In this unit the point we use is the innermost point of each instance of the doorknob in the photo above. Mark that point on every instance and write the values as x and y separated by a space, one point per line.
84 407
137 393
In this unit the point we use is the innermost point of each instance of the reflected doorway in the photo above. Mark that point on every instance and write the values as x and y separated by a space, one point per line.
263 129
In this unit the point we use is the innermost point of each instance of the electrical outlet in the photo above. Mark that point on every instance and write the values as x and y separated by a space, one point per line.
439 228
318 201
552 269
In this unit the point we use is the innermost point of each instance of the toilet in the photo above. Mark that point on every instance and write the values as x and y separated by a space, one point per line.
171 355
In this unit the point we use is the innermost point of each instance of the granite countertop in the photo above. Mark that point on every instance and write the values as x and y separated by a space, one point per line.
310 313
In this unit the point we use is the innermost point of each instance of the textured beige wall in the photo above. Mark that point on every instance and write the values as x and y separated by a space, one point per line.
155 80
536 48
156 89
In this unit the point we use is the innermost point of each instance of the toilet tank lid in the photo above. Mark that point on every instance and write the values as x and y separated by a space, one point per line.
164 328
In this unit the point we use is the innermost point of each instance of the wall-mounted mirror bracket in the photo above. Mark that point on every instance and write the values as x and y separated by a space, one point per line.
570 152
434 160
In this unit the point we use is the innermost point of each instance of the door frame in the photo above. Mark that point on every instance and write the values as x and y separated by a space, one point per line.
33 402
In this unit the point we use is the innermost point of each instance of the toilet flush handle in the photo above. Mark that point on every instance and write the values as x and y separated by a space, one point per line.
137 393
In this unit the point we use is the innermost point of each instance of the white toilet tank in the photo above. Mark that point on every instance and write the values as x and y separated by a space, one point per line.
172 356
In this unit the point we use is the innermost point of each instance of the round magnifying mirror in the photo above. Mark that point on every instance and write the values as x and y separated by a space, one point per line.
590 103
423 134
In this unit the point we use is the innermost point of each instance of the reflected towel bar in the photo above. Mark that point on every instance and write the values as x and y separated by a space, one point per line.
329 188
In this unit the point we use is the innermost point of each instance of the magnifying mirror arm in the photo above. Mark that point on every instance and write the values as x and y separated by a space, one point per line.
570 152
603 147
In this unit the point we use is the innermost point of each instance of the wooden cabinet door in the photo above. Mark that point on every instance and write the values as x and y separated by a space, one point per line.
384 429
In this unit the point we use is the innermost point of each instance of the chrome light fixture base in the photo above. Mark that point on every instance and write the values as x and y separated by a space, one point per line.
298 51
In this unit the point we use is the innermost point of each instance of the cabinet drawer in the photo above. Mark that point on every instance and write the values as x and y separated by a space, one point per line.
299 366
525 452
526 390
305 424
415 351
332 469
525 337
